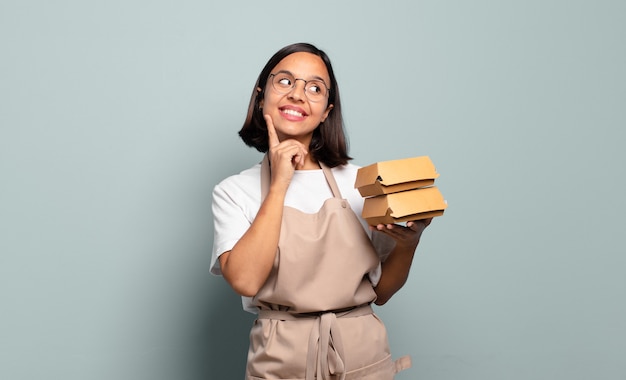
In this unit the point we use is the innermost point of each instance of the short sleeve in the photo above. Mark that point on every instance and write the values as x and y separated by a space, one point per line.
383 245
234 207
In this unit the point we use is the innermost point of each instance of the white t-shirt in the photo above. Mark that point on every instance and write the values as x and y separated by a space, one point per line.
236 201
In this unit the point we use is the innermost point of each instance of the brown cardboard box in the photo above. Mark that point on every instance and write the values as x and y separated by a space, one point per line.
396 175
404 206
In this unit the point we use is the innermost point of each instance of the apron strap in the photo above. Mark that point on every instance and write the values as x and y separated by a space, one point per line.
402 363
330 178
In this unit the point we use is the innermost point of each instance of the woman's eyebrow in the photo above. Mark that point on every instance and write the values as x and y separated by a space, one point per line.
285 72
317 77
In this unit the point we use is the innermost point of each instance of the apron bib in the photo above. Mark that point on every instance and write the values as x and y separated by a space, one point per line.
315 322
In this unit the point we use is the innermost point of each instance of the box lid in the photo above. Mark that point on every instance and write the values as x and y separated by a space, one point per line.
395 175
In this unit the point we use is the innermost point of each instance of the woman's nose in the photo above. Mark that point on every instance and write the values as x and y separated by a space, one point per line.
298 90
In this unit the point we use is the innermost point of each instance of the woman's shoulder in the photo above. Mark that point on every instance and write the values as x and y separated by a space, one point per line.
348 169
246 179
345 175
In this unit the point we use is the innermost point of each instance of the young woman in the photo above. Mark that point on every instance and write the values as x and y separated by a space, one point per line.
289 237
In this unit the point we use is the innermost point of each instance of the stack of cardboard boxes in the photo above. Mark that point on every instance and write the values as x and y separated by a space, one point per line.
399 191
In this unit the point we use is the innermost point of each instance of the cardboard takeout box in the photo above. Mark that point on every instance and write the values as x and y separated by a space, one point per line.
398 191
396 175
404 206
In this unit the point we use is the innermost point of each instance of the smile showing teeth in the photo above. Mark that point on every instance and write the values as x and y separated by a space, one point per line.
292 112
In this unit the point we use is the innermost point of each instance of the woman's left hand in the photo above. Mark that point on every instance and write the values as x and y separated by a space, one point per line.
408 236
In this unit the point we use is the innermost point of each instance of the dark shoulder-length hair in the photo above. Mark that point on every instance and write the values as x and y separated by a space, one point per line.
329 143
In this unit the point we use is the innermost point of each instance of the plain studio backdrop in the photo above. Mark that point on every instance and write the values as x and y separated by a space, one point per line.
117 118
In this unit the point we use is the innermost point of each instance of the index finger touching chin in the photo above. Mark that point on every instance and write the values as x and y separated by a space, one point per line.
271 131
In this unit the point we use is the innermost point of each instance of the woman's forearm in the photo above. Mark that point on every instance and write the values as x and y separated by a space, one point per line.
247 266
395 271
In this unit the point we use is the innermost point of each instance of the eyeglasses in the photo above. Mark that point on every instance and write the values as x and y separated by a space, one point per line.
315 89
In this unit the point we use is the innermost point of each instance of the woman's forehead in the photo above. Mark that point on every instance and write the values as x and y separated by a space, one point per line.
303 65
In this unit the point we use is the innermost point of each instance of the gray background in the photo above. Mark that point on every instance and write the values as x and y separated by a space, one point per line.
117 118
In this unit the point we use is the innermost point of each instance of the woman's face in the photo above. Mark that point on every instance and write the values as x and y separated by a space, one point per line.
294 115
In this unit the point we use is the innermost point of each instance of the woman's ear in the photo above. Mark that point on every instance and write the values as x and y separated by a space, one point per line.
330 107
259 91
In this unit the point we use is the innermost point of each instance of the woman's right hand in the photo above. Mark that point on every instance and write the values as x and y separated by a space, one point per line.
285 156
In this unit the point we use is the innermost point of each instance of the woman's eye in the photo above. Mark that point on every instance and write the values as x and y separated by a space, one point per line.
285 82
315 88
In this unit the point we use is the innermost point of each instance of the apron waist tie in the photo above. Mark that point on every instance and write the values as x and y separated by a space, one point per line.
325 356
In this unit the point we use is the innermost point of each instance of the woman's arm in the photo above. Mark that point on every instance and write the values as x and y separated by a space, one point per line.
247 266
395 269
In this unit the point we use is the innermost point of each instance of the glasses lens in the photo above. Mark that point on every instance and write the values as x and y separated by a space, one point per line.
283 82
315 90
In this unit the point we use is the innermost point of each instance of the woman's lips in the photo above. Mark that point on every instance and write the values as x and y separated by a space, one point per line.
292 113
